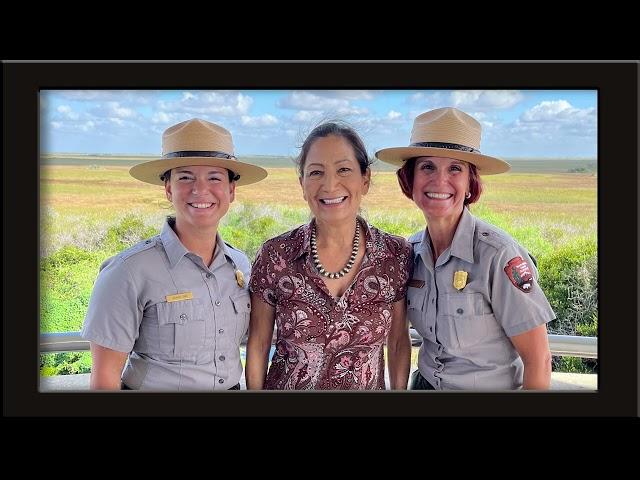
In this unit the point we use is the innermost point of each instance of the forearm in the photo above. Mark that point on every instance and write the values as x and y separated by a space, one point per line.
257 360
537 373
399 353
106 367
105 379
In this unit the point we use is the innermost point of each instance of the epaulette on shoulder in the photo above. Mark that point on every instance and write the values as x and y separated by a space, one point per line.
140 247
232 247
416 237
494 237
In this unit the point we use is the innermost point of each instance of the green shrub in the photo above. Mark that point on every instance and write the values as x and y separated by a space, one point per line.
68 363
130 230
569 278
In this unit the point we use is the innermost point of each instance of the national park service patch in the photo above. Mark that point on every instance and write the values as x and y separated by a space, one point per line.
520 274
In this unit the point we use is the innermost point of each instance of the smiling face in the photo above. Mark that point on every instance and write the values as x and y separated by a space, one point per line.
332 182
439 186
201 196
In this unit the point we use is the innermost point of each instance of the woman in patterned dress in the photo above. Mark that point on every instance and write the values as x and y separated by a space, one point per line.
335 287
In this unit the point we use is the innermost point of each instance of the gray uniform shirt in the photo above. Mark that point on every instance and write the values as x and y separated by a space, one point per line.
466 332
176 342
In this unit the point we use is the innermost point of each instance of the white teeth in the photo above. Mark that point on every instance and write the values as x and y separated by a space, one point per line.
201 205
332 201
439 195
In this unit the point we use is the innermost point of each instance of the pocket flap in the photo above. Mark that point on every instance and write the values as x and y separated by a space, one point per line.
180 312
462 304
241 302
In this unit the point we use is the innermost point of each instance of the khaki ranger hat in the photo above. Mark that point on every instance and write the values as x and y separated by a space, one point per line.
445 132
197 142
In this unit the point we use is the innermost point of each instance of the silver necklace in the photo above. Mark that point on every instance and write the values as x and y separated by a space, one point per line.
350 262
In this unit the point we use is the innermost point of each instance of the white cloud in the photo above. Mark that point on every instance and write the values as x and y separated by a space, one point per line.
483 100
119 111
392 115
468 100
227 104
85 127
265 120
304 116
312 101
67 112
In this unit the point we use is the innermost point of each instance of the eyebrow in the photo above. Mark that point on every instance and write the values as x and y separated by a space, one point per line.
335 163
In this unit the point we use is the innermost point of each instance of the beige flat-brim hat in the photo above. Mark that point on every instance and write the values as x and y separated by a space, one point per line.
197 142
445 132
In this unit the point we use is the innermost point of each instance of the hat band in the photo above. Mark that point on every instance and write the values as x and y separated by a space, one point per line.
450 146
197 153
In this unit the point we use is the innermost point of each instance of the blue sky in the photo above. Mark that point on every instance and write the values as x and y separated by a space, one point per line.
515 123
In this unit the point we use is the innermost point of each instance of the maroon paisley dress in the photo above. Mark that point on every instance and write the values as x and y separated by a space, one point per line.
323 342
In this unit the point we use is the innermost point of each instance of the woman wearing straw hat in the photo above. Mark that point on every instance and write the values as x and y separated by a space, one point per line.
176 306
335 287
474 296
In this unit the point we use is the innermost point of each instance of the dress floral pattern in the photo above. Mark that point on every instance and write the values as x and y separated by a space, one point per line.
327 343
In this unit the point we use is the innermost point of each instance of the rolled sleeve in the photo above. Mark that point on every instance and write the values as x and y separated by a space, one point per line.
516 310
405 260
114 314
260 281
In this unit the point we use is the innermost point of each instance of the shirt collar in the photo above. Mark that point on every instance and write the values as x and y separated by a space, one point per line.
176 250
462 243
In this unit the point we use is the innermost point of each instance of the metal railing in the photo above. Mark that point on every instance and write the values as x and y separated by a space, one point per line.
561 345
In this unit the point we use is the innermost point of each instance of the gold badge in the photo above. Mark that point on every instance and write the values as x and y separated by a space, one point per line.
179 296
240 278
459 279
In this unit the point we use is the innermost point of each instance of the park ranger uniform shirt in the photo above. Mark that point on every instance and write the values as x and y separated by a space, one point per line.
466 331
181 321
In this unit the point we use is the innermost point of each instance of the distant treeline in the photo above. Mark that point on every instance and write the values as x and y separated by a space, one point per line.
519 165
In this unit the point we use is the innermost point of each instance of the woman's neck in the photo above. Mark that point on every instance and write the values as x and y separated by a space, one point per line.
200 242
335 236
441 231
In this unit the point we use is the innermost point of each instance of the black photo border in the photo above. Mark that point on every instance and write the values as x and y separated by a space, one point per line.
617 86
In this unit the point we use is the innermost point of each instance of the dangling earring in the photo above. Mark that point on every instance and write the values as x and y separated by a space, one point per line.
467 195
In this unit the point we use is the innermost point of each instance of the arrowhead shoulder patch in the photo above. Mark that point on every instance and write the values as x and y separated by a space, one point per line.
519 274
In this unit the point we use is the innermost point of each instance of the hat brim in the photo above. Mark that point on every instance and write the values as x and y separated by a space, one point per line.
485 164
150 172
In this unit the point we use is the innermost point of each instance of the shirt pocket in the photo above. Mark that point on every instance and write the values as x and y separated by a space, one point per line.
415 309
241 303
471 320
182 327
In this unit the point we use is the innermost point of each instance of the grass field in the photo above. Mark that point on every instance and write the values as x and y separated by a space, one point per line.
79 200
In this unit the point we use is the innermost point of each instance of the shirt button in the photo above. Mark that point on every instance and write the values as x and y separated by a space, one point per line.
485 234
217 303
431 329
221 380
209 275
183 316
460 311
221 331
221 358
